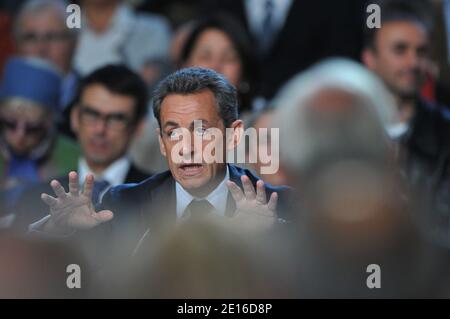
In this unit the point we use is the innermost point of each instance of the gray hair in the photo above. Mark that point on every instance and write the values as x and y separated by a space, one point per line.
32 7
365 131
193 80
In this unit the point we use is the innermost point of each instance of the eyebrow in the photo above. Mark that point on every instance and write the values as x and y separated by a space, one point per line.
170 123
191 126
91 109
203 122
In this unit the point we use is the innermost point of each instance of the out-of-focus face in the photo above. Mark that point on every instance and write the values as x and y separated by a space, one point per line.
265 122
215 50
180 111
24 125
104 124
400 57
44 34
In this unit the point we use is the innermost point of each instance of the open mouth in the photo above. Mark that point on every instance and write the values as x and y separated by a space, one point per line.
190 169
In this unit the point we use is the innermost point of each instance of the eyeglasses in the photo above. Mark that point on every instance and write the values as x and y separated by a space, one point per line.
29 128
115 121
34 37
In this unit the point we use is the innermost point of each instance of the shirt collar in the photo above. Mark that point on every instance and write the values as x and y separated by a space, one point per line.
115 174
217 198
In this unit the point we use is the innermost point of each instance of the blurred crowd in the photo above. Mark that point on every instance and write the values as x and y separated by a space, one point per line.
364 143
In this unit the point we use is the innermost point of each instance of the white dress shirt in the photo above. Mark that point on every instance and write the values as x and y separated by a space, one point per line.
115 174
217 198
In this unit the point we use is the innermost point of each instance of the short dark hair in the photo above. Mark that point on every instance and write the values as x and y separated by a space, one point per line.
193 80
121 80
414 11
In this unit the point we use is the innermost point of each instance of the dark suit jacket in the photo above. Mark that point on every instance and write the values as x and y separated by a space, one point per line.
138 207
30 208
313 30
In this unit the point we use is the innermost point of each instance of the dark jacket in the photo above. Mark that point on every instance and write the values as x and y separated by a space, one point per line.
138 207
313 30
426 159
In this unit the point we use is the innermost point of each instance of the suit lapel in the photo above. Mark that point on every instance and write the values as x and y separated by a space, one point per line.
134 175
235 176
162 201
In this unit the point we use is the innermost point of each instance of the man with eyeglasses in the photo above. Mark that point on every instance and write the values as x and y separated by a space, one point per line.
40 31
30 149
106 114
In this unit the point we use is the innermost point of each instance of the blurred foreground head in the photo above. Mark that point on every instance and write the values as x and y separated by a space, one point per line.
337 108
350 209
38 269
206 258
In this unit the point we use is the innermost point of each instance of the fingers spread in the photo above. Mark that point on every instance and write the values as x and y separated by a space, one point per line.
272 205
249 190
73 183
58 189
103 216
88 185
261 192
235 191
49 200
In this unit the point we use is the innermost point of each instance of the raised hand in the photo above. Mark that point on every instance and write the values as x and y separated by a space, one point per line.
252 209
73 210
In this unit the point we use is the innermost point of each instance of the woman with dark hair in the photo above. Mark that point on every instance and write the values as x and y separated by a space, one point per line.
222 44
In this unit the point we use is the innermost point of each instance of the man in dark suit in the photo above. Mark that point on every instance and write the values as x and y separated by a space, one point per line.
189 105
108 111
398 53
291 35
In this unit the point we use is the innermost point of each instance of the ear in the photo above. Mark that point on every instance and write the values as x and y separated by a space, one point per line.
162 149
368 58
75 119
238 132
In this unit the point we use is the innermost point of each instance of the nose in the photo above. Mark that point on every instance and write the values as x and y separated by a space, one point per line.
187 149
413 59
19 132
42 48
100 126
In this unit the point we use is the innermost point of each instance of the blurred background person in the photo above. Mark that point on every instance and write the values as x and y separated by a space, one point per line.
261 121
398 53
112 32
350 210
220 43
291 35
31 149
109 108
40 31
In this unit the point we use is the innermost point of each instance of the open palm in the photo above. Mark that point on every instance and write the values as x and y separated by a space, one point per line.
74 210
